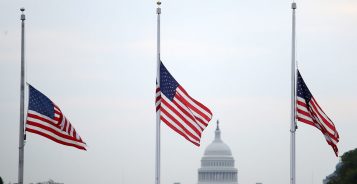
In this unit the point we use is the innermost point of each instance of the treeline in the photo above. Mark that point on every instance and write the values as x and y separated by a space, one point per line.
346 171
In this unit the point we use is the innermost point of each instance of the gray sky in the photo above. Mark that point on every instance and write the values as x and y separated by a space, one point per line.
97 61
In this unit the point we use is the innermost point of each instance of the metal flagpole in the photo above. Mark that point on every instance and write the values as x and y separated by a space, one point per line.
22 99
158 142
293 102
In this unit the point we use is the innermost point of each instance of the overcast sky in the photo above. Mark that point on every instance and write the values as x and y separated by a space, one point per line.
97 61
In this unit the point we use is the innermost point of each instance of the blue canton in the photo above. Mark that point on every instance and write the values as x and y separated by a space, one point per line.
302 90
168 84
40 103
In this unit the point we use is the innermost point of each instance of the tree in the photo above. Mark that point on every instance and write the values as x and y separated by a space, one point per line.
346 171
1 181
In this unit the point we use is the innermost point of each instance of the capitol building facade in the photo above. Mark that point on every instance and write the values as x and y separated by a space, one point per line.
217 163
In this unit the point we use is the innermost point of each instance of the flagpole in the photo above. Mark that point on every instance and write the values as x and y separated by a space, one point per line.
158 141
22 99
293 102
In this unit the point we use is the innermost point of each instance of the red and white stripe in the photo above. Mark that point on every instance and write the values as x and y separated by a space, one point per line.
58 129
184 115
313 115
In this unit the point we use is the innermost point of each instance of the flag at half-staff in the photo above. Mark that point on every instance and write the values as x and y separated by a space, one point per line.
46 119
178 109
309 112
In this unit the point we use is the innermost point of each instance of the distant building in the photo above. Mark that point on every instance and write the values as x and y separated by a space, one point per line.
49 182
217 164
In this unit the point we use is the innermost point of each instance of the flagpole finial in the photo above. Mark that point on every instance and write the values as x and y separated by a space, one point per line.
22 15
293 5
158 9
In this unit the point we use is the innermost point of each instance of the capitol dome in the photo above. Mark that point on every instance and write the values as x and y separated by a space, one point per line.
218 147
217 163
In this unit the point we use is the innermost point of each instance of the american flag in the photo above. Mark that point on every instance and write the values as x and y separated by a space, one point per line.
178 110
309 112
46 119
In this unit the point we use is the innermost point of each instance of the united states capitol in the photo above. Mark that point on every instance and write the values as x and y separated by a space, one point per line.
217 163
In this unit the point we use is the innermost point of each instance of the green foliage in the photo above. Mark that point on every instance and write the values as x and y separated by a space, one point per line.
346 173
1 181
